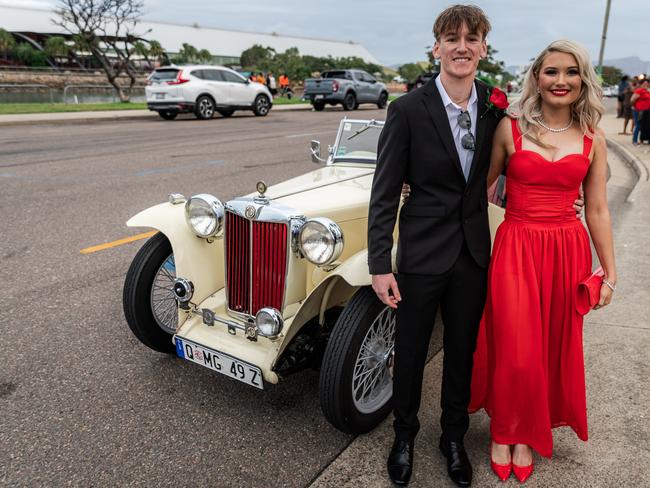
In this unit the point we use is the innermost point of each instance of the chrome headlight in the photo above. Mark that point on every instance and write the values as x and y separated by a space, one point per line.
269 322
321 241
205 215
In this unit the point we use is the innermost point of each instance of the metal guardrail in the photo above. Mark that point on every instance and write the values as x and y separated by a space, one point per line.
32 85
66 88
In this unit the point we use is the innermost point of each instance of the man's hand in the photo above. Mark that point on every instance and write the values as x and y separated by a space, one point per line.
579 204
406 192
382 285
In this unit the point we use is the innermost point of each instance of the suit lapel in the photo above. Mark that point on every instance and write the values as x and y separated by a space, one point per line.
438 114
481 126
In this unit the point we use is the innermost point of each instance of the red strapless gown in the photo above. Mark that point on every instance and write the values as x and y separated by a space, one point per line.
528 367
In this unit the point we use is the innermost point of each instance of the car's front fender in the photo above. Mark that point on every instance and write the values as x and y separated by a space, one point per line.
196 259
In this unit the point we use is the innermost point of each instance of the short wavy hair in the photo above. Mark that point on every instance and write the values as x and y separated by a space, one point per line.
451 19
588 109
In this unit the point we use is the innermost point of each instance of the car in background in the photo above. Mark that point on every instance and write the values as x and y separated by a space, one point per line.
610 91
204 90
348 87
419 81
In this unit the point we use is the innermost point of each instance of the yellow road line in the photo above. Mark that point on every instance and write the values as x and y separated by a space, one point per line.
119 242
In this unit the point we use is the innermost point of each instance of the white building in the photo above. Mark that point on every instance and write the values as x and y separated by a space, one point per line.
225 45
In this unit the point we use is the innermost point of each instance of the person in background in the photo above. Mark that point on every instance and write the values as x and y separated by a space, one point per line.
271 84
623 84
252 77
641 105
627 105
260 78
284 84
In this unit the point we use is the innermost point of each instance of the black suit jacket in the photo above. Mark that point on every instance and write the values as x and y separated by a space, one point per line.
416 146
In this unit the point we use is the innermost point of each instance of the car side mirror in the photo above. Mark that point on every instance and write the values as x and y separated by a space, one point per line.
315 152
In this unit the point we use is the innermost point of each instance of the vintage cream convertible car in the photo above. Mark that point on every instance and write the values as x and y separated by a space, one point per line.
273 282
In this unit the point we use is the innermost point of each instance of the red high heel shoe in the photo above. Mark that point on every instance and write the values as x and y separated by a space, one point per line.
501 470
522 473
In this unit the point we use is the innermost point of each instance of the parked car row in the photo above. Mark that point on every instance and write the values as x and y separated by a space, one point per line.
206 90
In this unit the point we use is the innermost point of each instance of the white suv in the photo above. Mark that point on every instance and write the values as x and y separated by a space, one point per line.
204 90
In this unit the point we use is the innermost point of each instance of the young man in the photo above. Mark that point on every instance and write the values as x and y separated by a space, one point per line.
438 140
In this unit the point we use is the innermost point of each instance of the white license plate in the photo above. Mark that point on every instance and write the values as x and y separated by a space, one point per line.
319 97
220 362
160 96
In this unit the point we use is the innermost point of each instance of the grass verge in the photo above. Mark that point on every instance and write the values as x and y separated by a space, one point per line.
48 108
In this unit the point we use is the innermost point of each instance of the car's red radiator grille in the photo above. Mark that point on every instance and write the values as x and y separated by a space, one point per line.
268 266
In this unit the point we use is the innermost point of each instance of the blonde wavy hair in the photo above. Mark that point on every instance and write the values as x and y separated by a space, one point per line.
588 109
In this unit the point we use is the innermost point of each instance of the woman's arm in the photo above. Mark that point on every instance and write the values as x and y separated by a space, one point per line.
597 214
499 155
634 98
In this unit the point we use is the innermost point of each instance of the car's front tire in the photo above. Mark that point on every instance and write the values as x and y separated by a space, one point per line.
168 114
261 105
350 101
356 386
204 108
149 305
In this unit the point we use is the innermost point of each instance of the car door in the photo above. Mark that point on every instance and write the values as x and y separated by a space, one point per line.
218 88
360 86
373 87
241 92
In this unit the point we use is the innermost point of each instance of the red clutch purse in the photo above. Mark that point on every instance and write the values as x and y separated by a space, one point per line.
588 292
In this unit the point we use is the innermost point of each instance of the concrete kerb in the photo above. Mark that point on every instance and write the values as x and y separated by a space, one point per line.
638 166
76 117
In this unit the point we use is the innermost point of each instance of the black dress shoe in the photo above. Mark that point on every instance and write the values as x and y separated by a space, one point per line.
458 466
400 462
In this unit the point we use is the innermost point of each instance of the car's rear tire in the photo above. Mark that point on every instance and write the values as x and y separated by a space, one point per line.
383 100
168 114
318 106
149 305
350 101
261 105
224 112
204 108
359 355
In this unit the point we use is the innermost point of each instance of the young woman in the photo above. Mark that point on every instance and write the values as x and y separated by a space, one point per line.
528 367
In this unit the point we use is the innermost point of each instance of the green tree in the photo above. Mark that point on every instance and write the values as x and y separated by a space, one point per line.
611 75
489 69
56 47
107 30
156 51
24 53
258 57
410 71
204 56
7 43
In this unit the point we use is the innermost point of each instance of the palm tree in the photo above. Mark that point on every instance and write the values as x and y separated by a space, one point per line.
156 51
204 56
56 47
7 43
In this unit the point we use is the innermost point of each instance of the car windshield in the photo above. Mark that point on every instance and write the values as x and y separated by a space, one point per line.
357 141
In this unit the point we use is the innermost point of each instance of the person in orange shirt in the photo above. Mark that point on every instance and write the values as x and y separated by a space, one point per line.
260 78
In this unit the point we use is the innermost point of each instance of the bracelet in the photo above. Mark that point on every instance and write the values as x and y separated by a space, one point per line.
610 284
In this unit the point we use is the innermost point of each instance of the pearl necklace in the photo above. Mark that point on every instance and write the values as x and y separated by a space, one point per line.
550 129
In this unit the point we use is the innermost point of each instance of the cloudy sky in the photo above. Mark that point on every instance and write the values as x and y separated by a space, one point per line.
397 31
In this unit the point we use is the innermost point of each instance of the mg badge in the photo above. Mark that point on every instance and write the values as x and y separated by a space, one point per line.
250 212
261 188
251 332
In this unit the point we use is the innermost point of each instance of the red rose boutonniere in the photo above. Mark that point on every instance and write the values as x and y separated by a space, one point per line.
497 102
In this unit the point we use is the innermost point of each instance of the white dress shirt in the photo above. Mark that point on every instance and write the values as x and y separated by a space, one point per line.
457 132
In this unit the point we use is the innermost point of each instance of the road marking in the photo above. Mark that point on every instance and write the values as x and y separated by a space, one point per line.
303 135
119 242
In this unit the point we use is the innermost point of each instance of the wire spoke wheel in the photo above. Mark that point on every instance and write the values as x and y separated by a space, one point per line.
372 383
163 302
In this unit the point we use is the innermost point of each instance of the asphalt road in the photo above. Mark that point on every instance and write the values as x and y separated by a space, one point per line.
82 402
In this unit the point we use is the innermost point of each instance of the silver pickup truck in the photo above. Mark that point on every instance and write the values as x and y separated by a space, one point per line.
349 87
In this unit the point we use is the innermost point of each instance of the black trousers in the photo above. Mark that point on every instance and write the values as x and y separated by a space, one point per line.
461 293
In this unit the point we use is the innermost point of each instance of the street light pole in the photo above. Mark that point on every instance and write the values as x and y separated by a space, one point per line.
602 41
